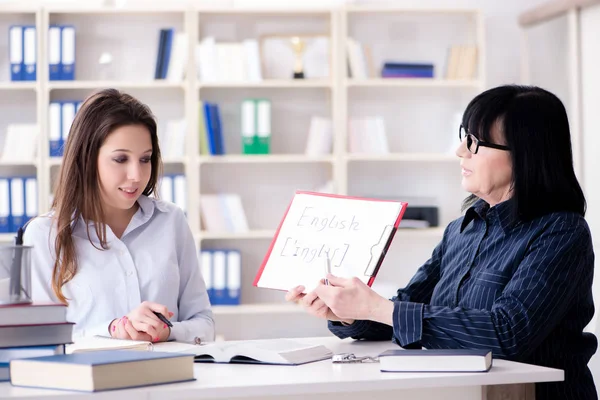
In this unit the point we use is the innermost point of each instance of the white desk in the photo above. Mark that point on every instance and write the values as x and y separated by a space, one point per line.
324 380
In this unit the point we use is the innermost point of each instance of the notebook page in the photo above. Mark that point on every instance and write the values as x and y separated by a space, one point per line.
98 343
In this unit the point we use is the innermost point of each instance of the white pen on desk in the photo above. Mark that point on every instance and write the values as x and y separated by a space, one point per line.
327 269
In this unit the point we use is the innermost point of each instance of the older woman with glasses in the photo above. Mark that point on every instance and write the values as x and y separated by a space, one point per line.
514 273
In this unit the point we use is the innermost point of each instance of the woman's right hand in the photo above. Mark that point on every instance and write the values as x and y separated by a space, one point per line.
142 324
311 303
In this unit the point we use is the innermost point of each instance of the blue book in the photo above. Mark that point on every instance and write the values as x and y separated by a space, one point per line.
4 375
403 65
210 128
88 372
444 360
160 54
166 56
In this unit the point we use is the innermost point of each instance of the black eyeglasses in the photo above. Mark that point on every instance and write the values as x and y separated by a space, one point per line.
473 143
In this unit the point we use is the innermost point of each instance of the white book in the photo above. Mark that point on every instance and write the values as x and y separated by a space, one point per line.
234 213
356 135
320 137
252 60
206 57
212 215
379 142
179 58
356 59
20 143
173 139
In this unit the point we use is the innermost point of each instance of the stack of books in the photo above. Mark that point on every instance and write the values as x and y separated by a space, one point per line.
32 330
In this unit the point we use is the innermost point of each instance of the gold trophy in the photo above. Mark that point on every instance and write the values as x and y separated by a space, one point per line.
298 45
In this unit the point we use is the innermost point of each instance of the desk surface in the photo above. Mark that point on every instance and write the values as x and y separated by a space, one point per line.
237 380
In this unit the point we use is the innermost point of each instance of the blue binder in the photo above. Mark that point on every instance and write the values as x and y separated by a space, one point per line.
29 53
54 52
15 52
67 53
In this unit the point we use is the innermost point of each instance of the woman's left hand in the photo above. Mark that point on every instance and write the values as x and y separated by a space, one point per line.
352 299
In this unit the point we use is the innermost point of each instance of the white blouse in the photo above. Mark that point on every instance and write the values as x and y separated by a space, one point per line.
155 260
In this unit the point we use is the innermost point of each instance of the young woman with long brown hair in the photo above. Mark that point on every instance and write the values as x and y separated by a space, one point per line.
110 252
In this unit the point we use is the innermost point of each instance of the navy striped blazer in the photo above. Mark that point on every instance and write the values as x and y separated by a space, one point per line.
520 289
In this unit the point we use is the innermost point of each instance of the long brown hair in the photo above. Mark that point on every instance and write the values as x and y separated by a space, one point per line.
77 191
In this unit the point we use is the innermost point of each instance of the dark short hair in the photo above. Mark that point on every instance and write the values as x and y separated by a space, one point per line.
535 127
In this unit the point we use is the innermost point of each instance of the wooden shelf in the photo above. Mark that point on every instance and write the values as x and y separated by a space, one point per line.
266 11
7 238
83 8
412 82
264 159
386 9
273 308
271 84
18 85
158 84
18 163
412 157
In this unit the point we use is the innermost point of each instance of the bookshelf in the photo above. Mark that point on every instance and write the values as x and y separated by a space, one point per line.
418 114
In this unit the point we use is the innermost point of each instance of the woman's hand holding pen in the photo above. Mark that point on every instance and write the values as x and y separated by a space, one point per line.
143 323
351 299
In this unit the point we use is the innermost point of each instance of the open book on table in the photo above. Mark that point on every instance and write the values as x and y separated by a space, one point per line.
320 233
267 351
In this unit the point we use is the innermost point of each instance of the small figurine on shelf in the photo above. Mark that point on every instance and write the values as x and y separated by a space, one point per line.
298 45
